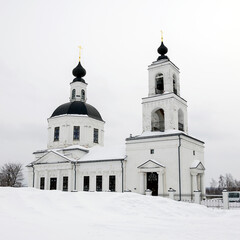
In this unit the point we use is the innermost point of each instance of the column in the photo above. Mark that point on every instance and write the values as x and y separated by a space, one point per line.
141 183
46 180
202 183
59 180
160 183
92 182
36 180
70 180
105 183
194 176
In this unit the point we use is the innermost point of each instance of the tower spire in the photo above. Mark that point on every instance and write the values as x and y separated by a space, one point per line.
161 36
80 48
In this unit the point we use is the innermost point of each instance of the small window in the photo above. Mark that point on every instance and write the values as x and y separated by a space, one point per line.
86 183
42 182
95 135
159 84
174 84
56 133
76 132
98 183
65 184
151 151
83 95
193 152
73 93
112 183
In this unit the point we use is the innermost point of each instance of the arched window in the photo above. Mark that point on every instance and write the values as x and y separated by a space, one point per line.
73 93
157 121
83 95
159 83
174 84
180 120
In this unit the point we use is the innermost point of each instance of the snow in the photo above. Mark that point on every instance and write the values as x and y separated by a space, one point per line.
75 147
105 153
158 133
28 213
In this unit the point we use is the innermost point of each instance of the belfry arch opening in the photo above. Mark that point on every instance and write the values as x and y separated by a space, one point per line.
157 121
159 87
174 84
180 120
73 93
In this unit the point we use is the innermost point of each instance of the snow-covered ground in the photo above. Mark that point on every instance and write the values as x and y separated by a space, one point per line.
27 214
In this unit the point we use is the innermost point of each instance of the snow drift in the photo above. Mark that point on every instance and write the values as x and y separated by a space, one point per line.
27 213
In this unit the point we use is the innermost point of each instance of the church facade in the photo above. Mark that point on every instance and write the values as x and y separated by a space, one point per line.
163 157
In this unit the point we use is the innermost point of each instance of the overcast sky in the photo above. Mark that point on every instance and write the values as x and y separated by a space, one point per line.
38 46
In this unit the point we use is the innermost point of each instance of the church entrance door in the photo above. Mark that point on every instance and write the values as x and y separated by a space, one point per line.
152 182
53 183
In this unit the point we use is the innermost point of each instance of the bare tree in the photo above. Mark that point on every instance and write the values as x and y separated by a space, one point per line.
224 182
11 175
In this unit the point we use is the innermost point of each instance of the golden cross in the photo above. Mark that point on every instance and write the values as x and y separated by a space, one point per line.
80 48
161 35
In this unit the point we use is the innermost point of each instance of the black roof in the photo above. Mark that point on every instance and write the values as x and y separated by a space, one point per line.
77 107
162 50
79 72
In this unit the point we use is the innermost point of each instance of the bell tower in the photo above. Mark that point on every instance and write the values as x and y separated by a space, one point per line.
164 109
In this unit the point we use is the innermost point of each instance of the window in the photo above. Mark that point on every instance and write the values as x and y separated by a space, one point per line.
86 183
73 93
56 133
112 183
99 183
83 95
151 151
42 182
53 183
76 132
174 84
193 152
95 135
159 84
65 184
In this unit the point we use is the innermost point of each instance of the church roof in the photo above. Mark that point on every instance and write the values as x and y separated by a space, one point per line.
99 153
79 108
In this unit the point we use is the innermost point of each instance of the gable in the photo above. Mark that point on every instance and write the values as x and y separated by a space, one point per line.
197 165
151 164
52 157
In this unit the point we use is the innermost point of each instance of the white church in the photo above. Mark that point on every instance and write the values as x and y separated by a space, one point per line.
162 157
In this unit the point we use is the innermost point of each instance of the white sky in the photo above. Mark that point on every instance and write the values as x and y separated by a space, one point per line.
38 46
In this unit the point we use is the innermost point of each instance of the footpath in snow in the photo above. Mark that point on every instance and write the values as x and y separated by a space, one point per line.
27 213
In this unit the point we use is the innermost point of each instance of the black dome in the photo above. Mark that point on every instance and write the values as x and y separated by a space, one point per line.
77 107
79 72
162 50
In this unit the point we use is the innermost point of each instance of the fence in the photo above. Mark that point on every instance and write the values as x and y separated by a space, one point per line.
213 201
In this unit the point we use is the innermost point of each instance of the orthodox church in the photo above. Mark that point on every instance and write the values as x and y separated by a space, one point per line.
163 157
